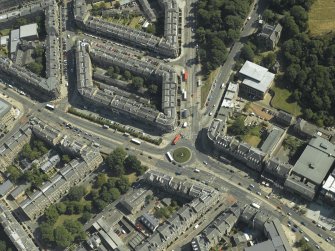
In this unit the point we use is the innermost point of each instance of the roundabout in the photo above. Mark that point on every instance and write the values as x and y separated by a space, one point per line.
182 154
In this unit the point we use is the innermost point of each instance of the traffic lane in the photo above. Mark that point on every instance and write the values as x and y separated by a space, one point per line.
96 129
284 211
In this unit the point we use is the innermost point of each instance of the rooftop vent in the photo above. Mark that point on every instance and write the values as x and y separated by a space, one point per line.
324 146
312 166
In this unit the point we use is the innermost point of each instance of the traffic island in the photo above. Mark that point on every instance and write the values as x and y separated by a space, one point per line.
182 154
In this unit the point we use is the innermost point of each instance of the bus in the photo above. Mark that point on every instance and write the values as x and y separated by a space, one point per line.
135 141
169 156
255 205
50 107
96 144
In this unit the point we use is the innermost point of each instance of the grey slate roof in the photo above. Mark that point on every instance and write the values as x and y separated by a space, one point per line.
272 140
5 187
15 231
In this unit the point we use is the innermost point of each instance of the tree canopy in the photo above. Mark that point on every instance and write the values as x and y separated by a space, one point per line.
310 73
219 23
76 193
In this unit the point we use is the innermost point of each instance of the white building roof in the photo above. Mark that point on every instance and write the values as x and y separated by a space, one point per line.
330 184
253 71
14 40
28 30
4 40
256 76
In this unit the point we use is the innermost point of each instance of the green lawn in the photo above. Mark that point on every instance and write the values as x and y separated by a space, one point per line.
132 177
253 136
252 140
321 17
135 22
281 100
64 217
4 32
181 154
207 86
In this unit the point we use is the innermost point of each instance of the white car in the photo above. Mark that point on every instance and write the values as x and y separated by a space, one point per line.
205 162
249 18
259 193
211 113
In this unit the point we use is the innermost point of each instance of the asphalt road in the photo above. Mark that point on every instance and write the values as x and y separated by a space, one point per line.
224 178
223 76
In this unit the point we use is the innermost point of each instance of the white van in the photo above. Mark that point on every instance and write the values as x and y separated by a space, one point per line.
197 170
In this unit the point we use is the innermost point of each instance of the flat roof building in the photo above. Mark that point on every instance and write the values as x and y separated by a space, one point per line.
256 80
29 32
311 168
328 188
4 40
14 40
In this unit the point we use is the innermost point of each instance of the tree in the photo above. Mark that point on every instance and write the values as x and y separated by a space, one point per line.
131 163
35 68
61 207
117 4
238 127
162 212
35 176
115 193
137 82
101 180
116 160
86 216
123 184
66 158
110 71
76 193
153 89
300 16
75 228
51 215
105 195
14 173
151 29
62 237
127 75
117 69
99 205
46 231
290 26
3 246
247 53
268 16
38 52
269 60
233 22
